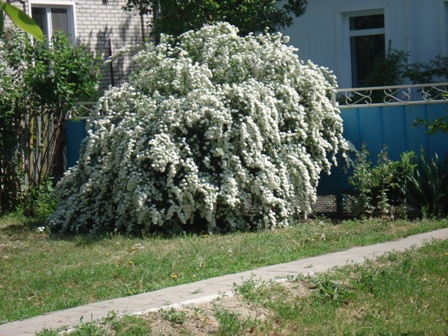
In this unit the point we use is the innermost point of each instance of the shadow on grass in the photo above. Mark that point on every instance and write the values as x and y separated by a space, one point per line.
13 230
19 227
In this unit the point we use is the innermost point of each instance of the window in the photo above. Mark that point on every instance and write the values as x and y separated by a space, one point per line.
367 43
51 18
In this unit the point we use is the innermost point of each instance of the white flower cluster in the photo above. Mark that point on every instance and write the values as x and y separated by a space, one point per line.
213 132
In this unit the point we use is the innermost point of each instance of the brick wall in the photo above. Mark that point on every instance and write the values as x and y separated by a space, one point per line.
96 25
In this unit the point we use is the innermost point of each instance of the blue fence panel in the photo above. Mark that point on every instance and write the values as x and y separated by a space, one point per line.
394 131
371 129
390 126
417 137
75 133
438 143
375 126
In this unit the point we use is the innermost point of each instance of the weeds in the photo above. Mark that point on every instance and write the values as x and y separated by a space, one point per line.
174 316
392 187
428 187
127 325
328 290
248 289
231 323
381 188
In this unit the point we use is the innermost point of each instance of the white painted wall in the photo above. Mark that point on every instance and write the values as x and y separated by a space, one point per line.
417 26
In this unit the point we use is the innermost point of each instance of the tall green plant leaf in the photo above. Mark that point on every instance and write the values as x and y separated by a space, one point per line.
428 188
1 18
23 21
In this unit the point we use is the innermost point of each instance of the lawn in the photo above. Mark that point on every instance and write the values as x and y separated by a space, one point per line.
397 294
41 273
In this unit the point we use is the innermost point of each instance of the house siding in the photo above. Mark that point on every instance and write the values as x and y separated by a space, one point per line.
96 24
418 27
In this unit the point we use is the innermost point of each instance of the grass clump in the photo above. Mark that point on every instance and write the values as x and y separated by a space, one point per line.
174 316
111 325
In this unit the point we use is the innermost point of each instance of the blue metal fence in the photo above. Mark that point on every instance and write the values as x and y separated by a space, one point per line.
75 133
375 126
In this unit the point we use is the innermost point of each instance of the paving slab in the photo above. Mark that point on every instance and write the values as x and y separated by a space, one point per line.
209 289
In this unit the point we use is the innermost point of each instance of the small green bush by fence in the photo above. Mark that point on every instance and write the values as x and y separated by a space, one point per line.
393 188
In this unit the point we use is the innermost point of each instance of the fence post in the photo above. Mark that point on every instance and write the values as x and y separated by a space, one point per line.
333 98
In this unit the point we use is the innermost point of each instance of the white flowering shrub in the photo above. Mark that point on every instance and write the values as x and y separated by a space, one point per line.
213 132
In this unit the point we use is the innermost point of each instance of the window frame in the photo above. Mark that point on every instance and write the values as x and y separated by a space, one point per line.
363 33
344 35
71 18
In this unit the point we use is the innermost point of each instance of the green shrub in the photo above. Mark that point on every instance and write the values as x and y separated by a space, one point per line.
174 316
41 83
382 187
39 202
427 190
388 70
433 71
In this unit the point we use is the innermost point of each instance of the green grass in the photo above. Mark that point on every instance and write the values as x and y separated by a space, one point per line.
402 293
398 294
40 273
231 323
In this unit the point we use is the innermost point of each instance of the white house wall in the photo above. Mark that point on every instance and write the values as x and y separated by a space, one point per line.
417 26
98 23
94 24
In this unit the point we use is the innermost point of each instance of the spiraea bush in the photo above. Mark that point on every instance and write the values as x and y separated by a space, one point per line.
214 132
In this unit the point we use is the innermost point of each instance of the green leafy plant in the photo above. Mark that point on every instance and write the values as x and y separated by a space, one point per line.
427 190
129 325
438 125
229 323
328 290
41 83
434 126
393 69
39 202
174 316
383 186
435 70
248 289
388 70
175 17
21 19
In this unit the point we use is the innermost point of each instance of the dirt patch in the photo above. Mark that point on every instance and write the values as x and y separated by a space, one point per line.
203 319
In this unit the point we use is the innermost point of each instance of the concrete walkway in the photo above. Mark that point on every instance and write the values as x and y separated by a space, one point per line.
207 290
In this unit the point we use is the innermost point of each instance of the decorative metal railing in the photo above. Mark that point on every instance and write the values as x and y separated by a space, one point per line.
352 97
390 95
81 111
